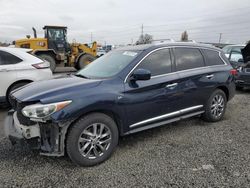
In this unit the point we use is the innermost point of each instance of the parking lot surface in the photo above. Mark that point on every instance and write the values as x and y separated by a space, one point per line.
190 153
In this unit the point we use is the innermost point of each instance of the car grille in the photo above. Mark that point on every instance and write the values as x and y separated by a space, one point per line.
18 106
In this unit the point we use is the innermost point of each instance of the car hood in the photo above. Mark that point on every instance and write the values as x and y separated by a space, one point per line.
51 90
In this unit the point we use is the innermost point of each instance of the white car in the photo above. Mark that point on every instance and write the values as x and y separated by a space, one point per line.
100 53
17 68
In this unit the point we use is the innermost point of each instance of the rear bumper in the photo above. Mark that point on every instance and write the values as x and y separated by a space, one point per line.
242 79
242 83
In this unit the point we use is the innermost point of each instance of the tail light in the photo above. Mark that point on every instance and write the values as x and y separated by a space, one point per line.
233 72
42 65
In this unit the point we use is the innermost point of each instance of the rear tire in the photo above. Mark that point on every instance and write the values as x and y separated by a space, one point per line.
50 59
215 107
84 61
92 139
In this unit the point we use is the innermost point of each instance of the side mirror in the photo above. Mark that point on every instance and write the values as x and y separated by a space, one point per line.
141 74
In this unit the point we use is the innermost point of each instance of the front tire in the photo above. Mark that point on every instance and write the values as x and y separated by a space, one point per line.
84 61
92 139
215 107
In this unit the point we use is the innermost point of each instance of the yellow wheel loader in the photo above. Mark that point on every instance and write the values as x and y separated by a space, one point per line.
55 49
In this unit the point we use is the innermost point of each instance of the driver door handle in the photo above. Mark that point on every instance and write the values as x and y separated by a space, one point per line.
171 86
210 76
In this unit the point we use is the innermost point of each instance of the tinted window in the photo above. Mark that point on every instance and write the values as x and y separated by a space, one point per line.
188 58
157 63
213 58
7 58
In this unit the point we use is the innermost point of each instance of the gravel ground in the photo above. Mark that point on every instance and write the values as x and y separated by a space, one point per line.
189 153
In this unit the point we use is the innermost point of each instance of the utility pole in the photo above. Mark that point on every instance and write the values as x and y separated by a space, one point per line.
91 37
142 30
220 38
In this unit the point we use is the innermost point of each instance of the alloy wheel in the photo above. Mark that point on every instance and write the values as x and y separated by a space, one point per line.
94 141
218 105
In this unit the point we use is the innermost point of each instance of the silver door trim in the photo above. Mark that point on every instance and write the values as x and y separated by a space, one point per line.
153 125
179 112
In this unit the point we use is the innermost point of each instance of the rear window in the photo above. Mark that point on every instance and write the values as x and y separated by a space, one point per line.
213 58
8 59
188 58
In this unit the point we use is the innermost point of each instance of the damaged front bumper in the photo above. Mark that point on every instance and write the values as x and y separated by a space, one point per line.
48 137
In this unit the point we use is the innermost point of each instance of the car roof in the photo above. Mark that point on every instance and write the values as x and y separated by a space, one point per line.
170 44
15 50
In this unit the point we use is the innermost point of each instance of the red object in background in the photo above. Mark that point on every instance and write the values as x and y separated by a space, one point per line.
233 72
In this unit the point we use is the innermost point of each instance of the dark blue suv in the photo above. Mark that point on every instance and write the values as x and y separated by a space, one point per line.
125 91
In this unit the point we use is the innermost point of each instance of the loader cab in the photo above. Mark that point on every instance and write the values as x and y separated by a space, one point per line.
57 38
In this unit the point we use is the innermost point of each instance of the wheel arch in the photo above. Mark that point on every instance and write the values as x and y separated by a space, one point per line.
225 90
115 116
17 82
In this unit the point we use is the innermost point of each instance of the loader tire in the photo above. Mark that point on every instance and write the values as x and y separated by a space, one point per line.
50 59
84 60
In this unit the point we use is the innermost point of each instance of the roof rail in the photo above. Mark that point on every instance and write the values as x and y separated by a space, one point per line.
162 41
187 41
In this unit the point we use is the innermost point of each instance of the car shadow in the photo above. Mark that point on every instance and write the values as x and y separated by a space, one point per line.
4 107
243 91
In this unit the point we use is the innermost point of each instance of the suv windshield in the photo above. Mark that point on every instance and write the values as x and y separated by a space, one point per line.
108 65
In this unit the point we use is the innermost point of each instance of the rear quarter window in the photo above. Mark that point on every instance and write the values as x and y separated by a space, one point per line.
8 59
188 58
213 58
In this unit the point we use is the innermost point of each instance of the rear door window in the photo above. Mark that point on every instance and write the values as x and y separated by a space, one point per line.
8 59
158 62
213 58
188 58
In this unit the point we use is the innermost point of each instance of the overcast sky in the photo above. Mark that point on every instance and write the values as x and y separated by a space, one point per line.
119 21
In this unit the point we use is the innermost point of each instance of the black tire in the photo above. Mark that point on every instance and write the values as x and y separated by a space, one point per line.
50 59
13 87
77 130
84 61
209 115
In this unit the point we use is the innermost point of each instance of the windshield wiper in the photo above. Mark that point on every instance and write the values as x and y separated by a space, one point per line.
82 76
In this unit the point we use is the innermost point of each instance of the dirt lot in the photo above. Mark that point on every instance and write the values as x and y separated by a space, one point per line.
189 153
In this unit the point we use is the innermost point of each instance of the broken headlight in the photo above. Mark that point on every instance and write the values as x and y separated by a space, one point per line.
38 111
